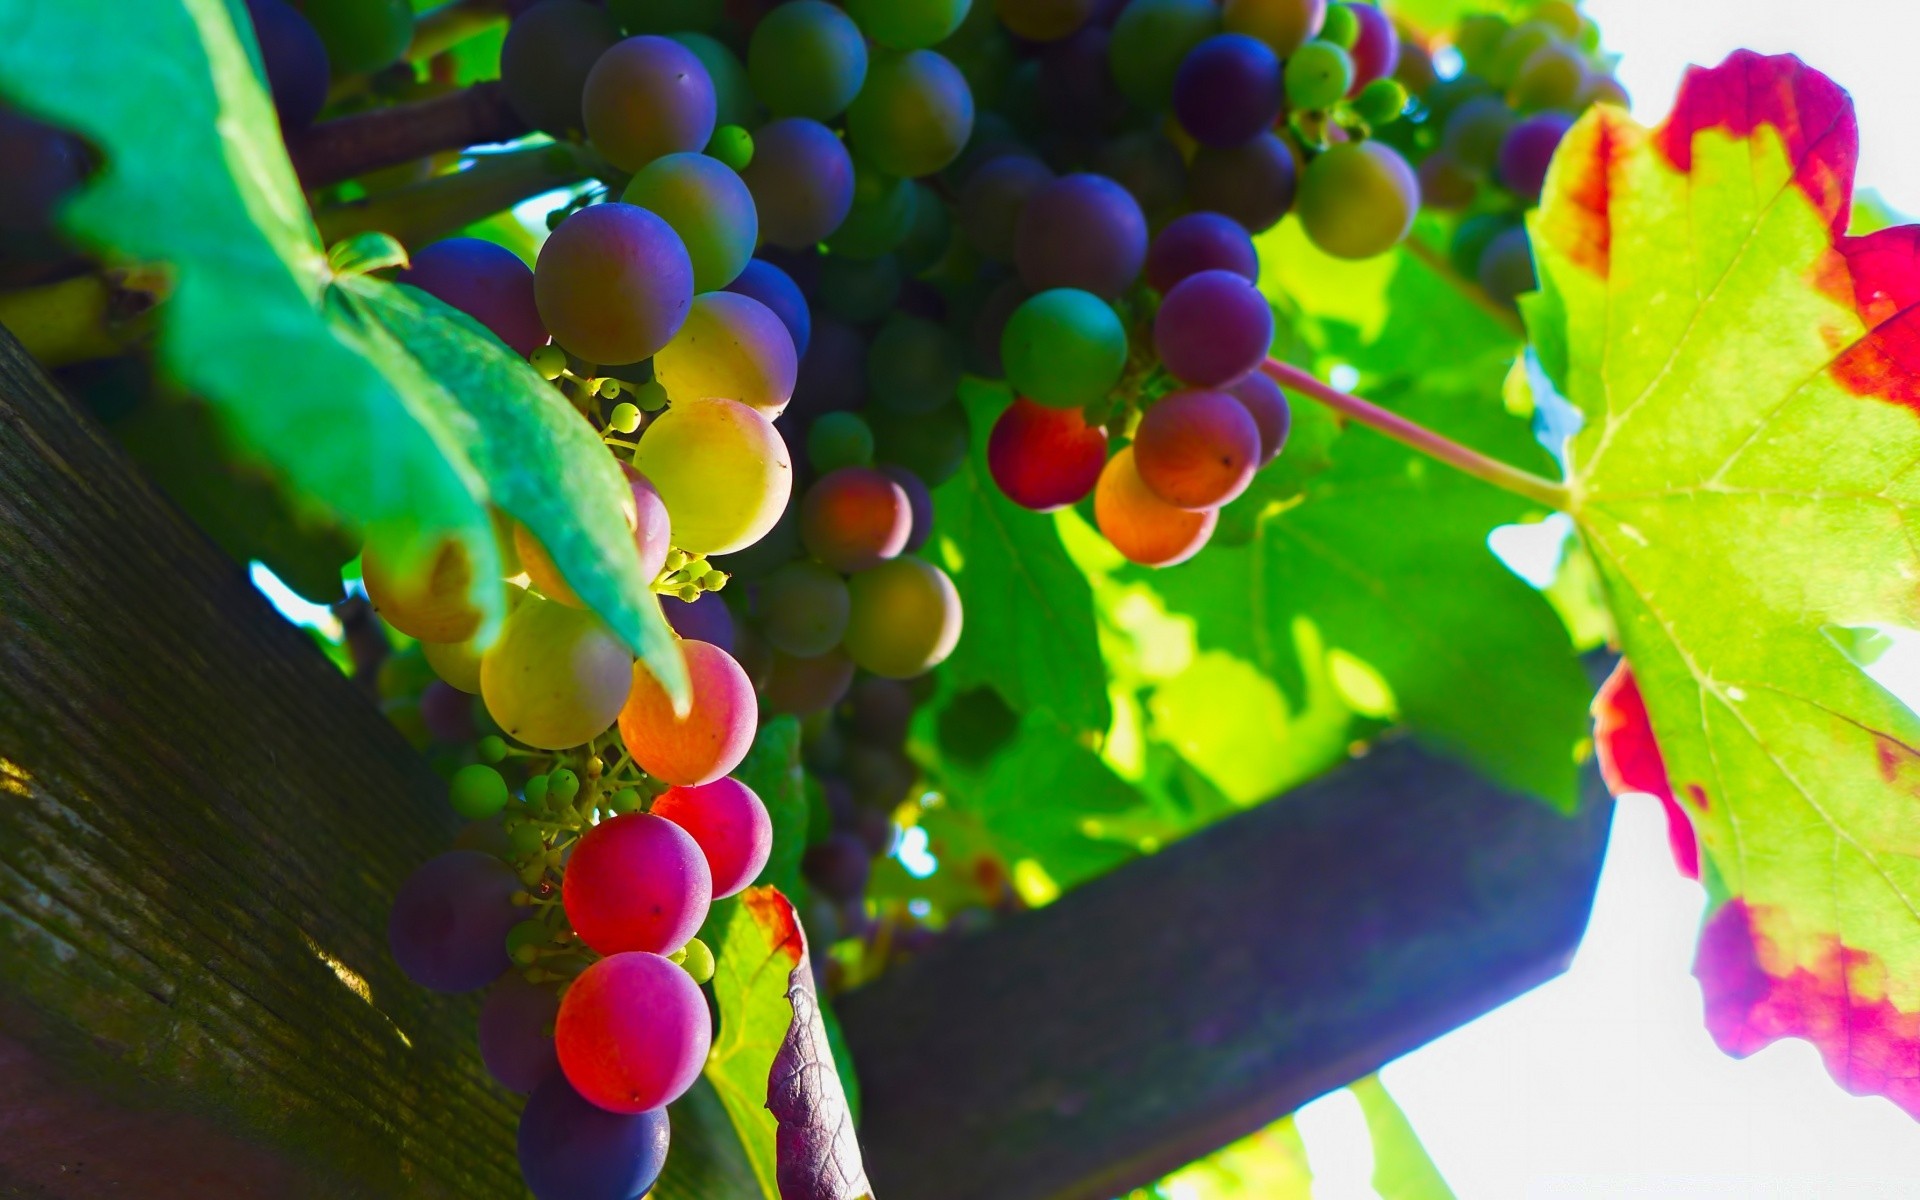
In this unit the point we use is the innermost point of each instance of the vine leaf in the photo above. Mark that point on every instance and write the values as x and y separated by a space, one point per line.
370 403
772 1062
1746 480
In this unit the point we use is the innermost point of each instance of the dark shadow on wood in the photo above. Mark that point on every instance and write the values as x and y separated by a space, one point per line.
1192 997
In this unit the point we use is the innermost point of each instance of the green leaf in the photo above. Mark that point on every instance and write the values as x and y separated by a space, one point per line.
1029 612
772 769
375 407
1746 480
1402 1169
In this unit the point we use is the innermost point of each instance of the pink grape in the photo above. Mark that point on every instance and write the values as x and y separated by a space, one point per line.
636 882
1196 449
731 826
516 1038
633 1032
710 739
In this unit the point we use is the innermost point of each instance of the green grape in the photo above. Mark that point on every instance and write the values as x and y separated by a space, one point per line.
550 361
1473 237
1341 27
526 839
650 396
477 791
904 619
1064 348
492 748
1381 102
732 145
432 603
881 215
1318 75
1284 25
556 676
839 439
908 24
563 785
913 366
913 115
933 446
708 205
733 100
698 960
804 608
361 35
1150 40
535 791
625 418
1518 45
722 470
1478 40
1552 77
1358 200
806 59
624 801
525 940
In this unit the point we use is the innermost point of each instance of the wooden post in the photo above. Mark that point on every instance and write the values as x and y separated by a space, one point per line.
1192 997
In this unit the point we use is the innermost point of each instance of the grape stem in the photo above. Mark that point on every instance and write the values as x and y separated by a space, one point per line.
1419 437
1438 264
424 211
337 150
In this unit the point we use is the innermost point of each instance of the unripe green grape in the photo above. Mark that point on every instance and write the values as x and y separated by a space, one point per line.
1517 45
525 940
556 676
904 619
1551 77
1064 348
1341 27
722 470
732 145
698 960
908 24
913 115
839 439
535 791
1478 40
526 839
1318 75
881 215
550 361
933 446
803 608
1381 102
1560 14
1358 200
806 59
625 418
491 748
477 791
624 801
1150 38
650 396
563 785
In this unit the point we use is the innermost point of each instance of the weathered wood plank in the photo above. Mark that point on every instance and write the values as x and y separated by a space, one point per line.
1198 994
201 823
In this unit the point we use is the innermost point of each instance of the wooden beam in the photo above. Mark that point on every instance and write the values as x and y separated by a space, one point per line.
1192 997
201 824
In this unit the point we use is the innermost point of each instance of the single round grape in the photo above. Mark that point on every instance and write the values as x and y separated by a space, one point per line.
806 59
667 16
803 608
1272 416
732 146
1196 449
1081 231
477 791
1044 20
913 114
633 1032
448 927
516 1034
908 24
1472 237
991 200
447 714
456 663
1284 25
1506 266
555 677
1228 90
1150 40
1341 27
361 36
1550 78
710 739
698 963
860 290
544 63
1475 129
905 618
839 439
732 346
434 602
1064 347
1376 51
731 826
1252 183
705 618
645 97
721 468
1478 37
1527 152
855 517
879 712
802 182
933 446
1140 525
913 366
1445 184
1200 241
636 882
733 102
805 687
919 504
776 289
613 283
573 1150
1212 329
1318 75
1149 166
1358 199
708 205
486 281
1516 46
295 60
878 219
1045 458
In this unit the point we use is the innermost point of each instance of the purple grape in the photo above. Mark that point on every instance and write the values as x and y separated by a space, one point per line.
447 712
1075 89
448 928
776 289
919 504
1506 266
487 282
1229 90
613 283
1081 231
1200 241
572 1150
992 198
43 164
295 60
839 866
1212 329
1149 166
516 1033
703 619
1252 183
1376 51
544 63
801 178
645 97
1267 405
879 711
1527 151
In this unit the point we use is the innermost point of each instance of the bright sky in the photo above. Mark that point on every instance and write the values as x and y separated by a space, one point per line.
1604 1083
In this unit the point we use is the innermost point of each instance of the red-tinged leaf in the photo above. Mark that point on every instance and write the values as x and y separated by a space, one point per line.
1630 760
772 1063
1747 480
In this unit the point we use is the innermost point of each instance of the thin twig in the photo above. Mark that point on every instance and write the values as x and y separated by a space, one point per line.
418 214
347 147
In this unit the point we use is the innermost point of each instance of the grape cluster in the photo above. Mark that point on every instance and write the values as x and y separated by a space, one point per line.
1483 137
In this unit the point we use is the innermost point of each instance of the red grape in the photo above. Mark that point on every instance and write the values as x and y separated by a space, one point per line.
1196 449
633 1032
1045 458
855 517
731 826
636 882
